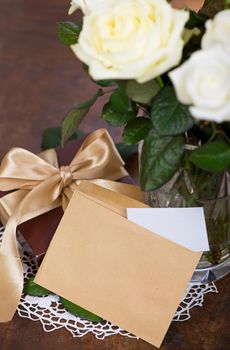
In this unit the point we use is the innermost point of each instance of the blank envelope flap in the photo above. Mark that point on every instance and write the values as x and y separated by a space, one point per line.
117 269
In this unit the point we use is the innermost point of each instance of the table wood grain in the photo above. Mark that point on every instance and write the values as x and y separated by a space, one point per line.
40 80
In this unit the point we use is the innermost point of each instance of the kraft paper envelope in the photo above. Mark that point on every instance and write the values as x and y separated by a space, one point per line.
115 268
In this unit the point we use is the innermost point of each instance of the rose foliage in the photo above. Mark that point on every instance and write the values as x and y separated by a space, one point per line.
169 77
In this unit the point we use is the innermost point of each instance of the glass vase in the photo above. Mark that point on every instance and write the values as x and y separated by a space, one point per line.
212 192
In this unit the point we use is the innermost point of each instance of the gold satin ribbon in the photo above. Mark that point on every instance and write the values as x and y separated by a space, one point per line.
42 186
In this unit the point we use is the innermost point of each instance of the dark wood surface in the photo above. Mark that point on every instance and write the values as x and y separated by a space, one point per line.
40 80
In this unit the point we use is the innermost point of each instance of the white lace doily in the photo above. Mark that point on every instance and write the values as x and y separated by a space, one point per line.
52 315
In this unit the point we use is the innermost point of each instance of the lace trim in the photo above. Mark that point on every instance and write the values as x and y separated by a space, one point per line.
52 315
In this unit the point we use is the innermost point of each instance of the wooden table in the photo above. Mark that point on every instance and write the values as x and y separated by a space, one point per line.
40 80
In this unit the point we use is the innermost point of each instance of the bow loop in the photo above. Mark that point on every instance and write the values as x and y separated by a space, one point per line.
23 169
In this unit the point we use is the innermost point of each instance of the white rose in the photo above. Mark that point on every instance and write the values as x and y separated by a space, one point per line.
203 83
86 6
217 31
131 39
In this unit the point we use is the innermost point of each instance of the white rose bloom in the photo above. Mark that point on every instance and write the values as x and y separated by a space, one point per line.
203 83
86 6
131 39
217 31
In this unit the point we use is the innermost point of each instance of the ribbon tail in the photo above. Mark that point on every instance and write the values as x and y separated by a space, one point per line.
9 203
11 270
11 275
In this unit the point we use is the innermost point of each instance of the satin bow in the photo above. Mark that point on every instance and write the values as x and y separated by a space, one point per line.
43 186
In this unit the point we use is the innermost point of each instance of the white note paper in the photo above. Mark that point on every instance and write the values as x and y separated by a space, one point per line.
184 226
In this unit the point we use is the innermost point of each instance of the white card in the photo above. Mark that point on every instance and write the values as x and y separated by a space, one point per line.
184 226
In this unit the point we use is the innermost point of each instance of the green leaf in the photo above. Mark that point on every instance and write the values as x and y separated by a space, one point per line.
116 118
79 311
52 137
213 156
34 289
188 34
226 5
31 288
142 93
196 19
126 152
68 32
119 110
71 122
161 157
75 116
119 101
105 83
136 130
168 115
